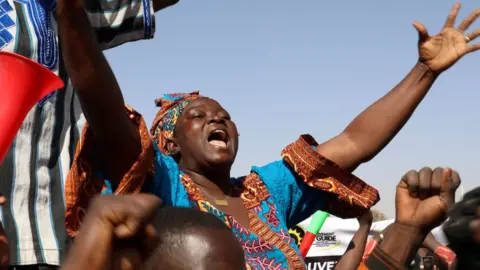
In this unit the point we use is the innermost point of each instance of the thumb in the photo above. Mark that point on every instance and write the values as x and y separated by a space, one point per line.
422 32
3 200
448 188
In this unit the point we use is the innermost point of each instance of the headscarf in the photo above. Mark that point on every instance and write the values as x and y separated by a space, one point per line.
171 107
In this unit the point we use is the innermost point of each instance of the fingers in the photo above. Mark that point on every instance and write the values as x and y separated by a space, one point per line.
422 32
467 22
425 179
472 35
450 182
437 179
473 48
411 180
142 209
427 182
456 180
447 187
452 16
3 200
123 215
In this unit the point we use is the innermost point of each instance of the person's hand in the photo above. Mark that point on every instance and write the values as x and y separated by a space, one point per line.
441 51
366 219
109 219
423 198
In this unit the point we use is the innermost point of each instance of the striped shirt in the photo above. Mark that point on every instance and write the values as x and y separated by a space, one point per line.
33 173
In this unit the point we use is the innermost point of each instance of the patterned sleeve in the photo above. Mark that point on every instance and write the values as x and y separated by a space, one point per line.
305 182
85 180
119 21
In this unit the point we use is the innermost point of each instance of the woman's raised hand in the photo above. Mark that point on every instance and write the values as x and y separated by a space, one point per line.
441 51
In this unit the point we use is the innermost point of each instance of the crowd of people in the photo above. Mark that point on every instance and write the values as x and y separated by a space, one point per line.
164 197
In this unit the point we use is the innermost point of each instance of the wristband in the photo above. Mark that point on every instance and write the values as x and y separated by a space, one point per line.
371 245
445 254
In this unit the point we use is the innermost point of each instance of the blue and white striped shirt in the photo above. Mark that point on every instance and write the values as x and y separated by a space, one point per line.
33 173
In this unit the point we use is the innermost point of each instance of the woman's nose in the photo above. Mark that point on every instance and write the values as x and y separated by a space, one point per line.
216 119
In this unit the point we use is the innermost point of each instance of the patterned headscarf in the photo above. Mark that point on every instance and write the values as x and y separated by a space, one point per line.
171 107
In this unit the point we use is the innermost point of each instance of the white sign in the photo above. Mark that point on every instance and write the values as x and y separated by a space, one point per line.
334 237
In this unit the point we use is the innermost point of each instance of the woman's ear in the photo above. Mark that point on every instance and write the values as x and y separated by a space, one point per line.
172 146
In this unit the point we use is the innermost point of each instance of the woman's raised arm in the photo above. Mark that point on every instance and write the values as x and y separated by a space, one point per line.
375 127
116 136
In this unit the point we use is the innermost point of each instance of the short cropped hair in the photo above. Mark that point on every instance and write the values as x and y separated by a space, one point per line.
174 225
176 219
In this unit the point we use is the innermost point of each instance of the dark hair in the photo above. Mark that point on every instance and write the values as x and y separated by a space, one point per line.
176 220
175 224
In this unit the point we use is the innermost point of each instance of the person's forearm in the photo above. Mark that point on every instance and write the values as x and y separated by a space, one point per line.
401 243
353 256
97 89
91 249
373 129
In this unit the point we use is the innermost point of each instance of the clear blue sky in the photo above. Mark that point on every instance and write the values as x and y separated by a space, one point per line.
283 68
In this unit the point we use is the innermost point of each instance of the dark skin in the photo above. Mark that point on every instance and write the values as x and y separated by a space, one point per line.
119 232
353 255
89 71
421 203
363 138
208 165
203 249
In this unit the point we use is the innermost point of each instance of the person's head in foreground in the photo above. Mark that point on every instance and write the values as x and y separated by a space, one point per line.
462 230
197 131
191 239
132 232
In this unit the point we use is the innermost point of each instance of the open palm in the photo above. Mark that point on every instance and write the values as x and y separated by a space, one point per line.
441 51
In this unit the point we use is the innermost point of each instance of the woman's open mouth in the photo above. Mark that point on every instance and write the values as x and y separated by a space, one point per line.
218 138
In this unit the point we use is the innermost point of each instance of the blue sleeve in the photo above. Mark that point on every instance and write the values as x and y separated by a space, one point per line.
119 21
293 197
165 183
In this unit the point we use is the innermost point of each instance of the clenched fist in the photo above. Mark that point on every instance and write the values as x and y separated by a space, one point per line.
423 197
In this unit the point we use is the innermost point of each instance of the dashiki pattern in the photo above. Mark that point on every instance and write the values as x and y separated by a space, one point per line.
34 171
172 106
276 196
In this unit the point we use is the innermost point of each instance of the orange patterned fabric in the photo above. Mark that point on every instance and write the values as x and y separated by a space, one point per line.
253 193
352 196
81 184
362 266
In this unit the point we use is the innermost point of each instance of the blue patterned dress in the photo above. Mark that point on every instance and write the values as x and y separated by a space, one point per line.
277 196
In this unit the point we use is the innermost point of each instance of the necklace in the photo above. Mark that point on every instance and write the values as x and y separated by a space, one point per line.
219 202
